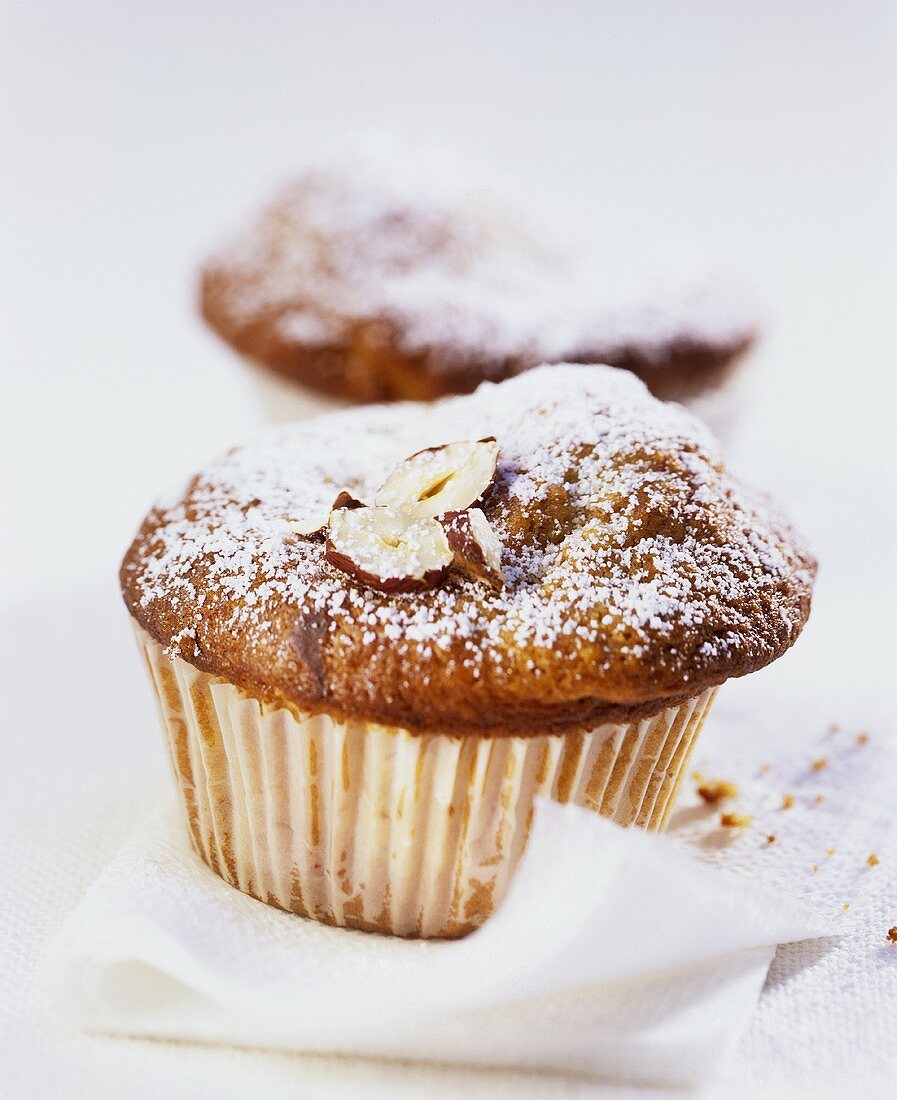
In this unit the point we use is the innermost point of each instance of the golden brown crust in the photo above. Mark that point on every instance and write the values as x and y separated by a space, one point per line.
370 365
683 368
361 286
639 573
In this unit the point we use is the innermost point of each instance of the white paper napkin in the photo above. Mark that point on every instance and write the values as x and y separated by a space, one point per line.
614 954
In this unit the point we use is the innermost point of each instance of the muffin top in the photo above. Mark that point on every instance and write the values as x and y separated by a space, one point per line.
387 274
636 571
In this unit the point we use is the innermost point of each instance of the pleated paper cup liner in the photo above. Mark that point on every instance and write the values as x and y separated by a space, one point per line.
721 406
373 827
282 400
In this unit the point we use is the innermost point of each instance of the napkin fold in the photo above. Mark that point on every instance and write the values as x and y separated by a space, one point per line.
614 954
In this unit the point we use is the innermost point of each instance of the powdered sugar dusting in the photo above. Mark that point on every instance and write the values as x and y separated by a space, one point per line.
411 238
625 544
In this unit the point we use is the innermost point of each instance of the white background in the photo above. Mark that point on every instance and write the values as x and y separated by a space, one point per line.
132 135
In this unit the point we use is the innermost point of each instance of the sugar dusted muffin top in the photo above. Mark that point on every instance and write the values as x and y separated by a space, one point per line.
636 570
390 274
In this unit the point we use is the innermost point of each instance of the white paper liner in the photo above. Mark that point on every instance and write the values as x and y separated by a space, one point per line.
721 406
282 400
373 827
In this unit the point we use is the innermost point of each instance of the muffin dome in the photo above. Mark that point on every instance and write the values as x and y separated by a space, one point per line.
637 571
385 276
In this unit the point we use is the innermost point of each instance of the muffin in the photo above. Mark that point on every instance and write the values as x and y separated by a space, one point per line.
376 636
382 276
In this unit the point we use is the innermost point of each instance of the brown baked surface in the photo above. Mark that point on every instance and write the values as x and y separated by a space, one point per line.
639 572
369 286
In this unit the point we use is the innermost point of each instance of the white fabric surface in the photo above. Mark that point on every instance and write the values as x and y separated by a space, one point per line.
614 954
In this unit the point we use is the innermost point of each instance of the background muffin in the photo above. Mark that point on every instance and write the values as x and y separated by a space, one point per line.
370 757
389 275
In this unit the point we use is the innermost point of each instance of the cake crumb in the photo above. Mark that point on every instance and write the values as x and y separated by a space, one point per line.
815 868
735 821
771 839
892 933
846 906
716 790
862 738
873 860
834 728
765 769
830 851
787 801
819 764
697 776
819 798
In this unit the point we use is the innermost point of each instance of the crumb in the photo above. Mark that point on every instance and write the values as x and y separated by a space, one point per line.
819 764
892 933
765 768
735 821
834 728
787 801
771 839
697 777
862 738
815 868
819 798
716 790
873 860
846 906
830 851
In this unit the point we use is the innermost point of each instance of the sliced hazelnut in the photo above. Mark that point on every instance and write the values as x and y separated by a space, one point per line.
387 550
475 546
315 524
346 500
443 479
312 526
